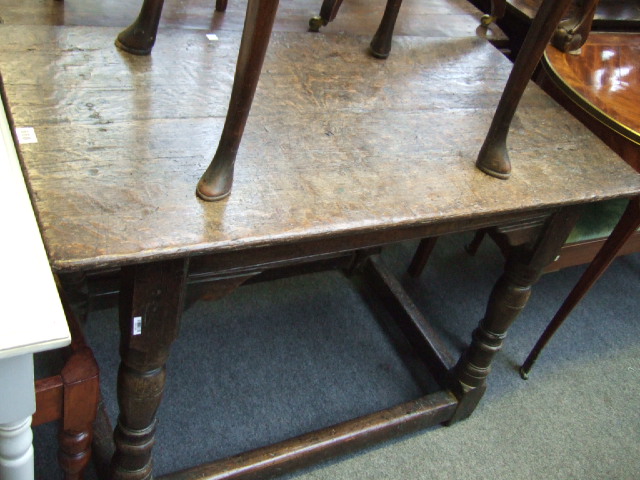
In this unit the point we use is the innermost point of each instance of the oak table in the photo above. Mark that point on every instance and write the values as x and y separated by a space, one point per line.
342 154
32 319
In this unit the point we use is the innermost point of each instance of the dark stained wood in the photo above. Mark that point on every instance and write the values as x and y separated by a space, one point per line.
508 297
215 183
381 43
493 158
584 252
322 444
421 257
417 330
341 152
318 177
151 301
627 226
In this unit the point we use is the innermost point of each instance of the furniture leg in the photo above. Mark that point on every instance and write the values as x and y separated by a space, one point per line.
151 305
573 32
81 395
221 5
381 43
139 37
493 158
216 181
17 406
328 13
508 298
627 225
498 9
421 257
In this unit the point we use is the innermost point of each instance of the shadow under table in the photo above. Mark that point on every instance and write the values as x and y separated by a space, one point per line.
341 156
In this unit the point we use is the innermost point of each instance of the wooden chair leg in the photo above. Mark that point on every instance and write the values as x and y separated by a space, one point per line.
221 5
474 245
627 225
140 36
573 32
381 44
493 158
328 13
216 181
421 257
81 395
498 9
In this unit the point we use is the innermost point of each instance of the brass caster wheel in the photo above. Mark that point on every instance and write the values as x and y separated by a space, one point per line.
315 23
487 20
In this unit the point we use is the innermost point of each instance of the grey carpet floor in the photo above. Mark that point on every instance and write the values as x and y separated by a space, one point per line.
277 359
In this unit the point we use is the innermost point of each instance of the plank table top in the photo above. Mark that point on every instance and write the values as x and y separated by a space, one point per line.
337 142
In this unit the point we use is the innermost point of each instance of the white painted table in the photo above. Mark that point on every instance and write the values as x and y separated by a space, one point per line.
31 316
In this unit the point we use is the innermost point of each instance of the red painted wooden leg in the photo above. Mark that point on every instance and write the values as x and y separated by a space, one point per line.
151 297
140 36
81 392
380 46
216 181
493 158
628 224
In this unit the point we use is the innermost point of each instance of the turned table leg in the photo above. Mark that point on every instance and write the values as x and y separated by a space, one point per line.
150 309
493 158
508 298
628 224
216 181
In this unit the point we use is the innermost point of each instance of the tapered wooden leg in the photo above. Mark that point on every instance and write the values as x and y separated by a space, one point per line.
476 241
498 9
140 36
628 224
216 181
380 46
328 13
421 257
493 158
151 298
221 5
508 298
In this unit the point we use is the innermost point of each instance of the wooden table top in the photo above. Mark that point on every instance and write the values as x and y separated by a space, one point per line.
337 142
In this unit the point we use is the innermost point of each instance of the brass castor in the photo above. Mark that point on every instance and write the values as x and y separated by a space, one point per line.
487 20
315 23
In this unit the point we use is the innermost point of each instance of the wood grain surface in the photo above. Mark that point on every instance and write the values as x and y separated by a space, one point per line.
337 142
609 12
606 78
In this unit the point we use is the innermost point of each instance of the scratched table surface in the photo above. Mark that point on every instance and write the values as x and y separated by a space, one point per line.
337 142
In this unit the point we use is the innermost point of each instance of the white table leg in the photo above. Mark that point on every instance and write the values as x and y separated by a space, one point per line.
18 403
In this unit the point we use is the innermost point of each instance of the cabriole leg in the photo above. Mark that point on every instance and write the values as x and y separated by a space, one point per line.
139 37
381 44
493 158
216 181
